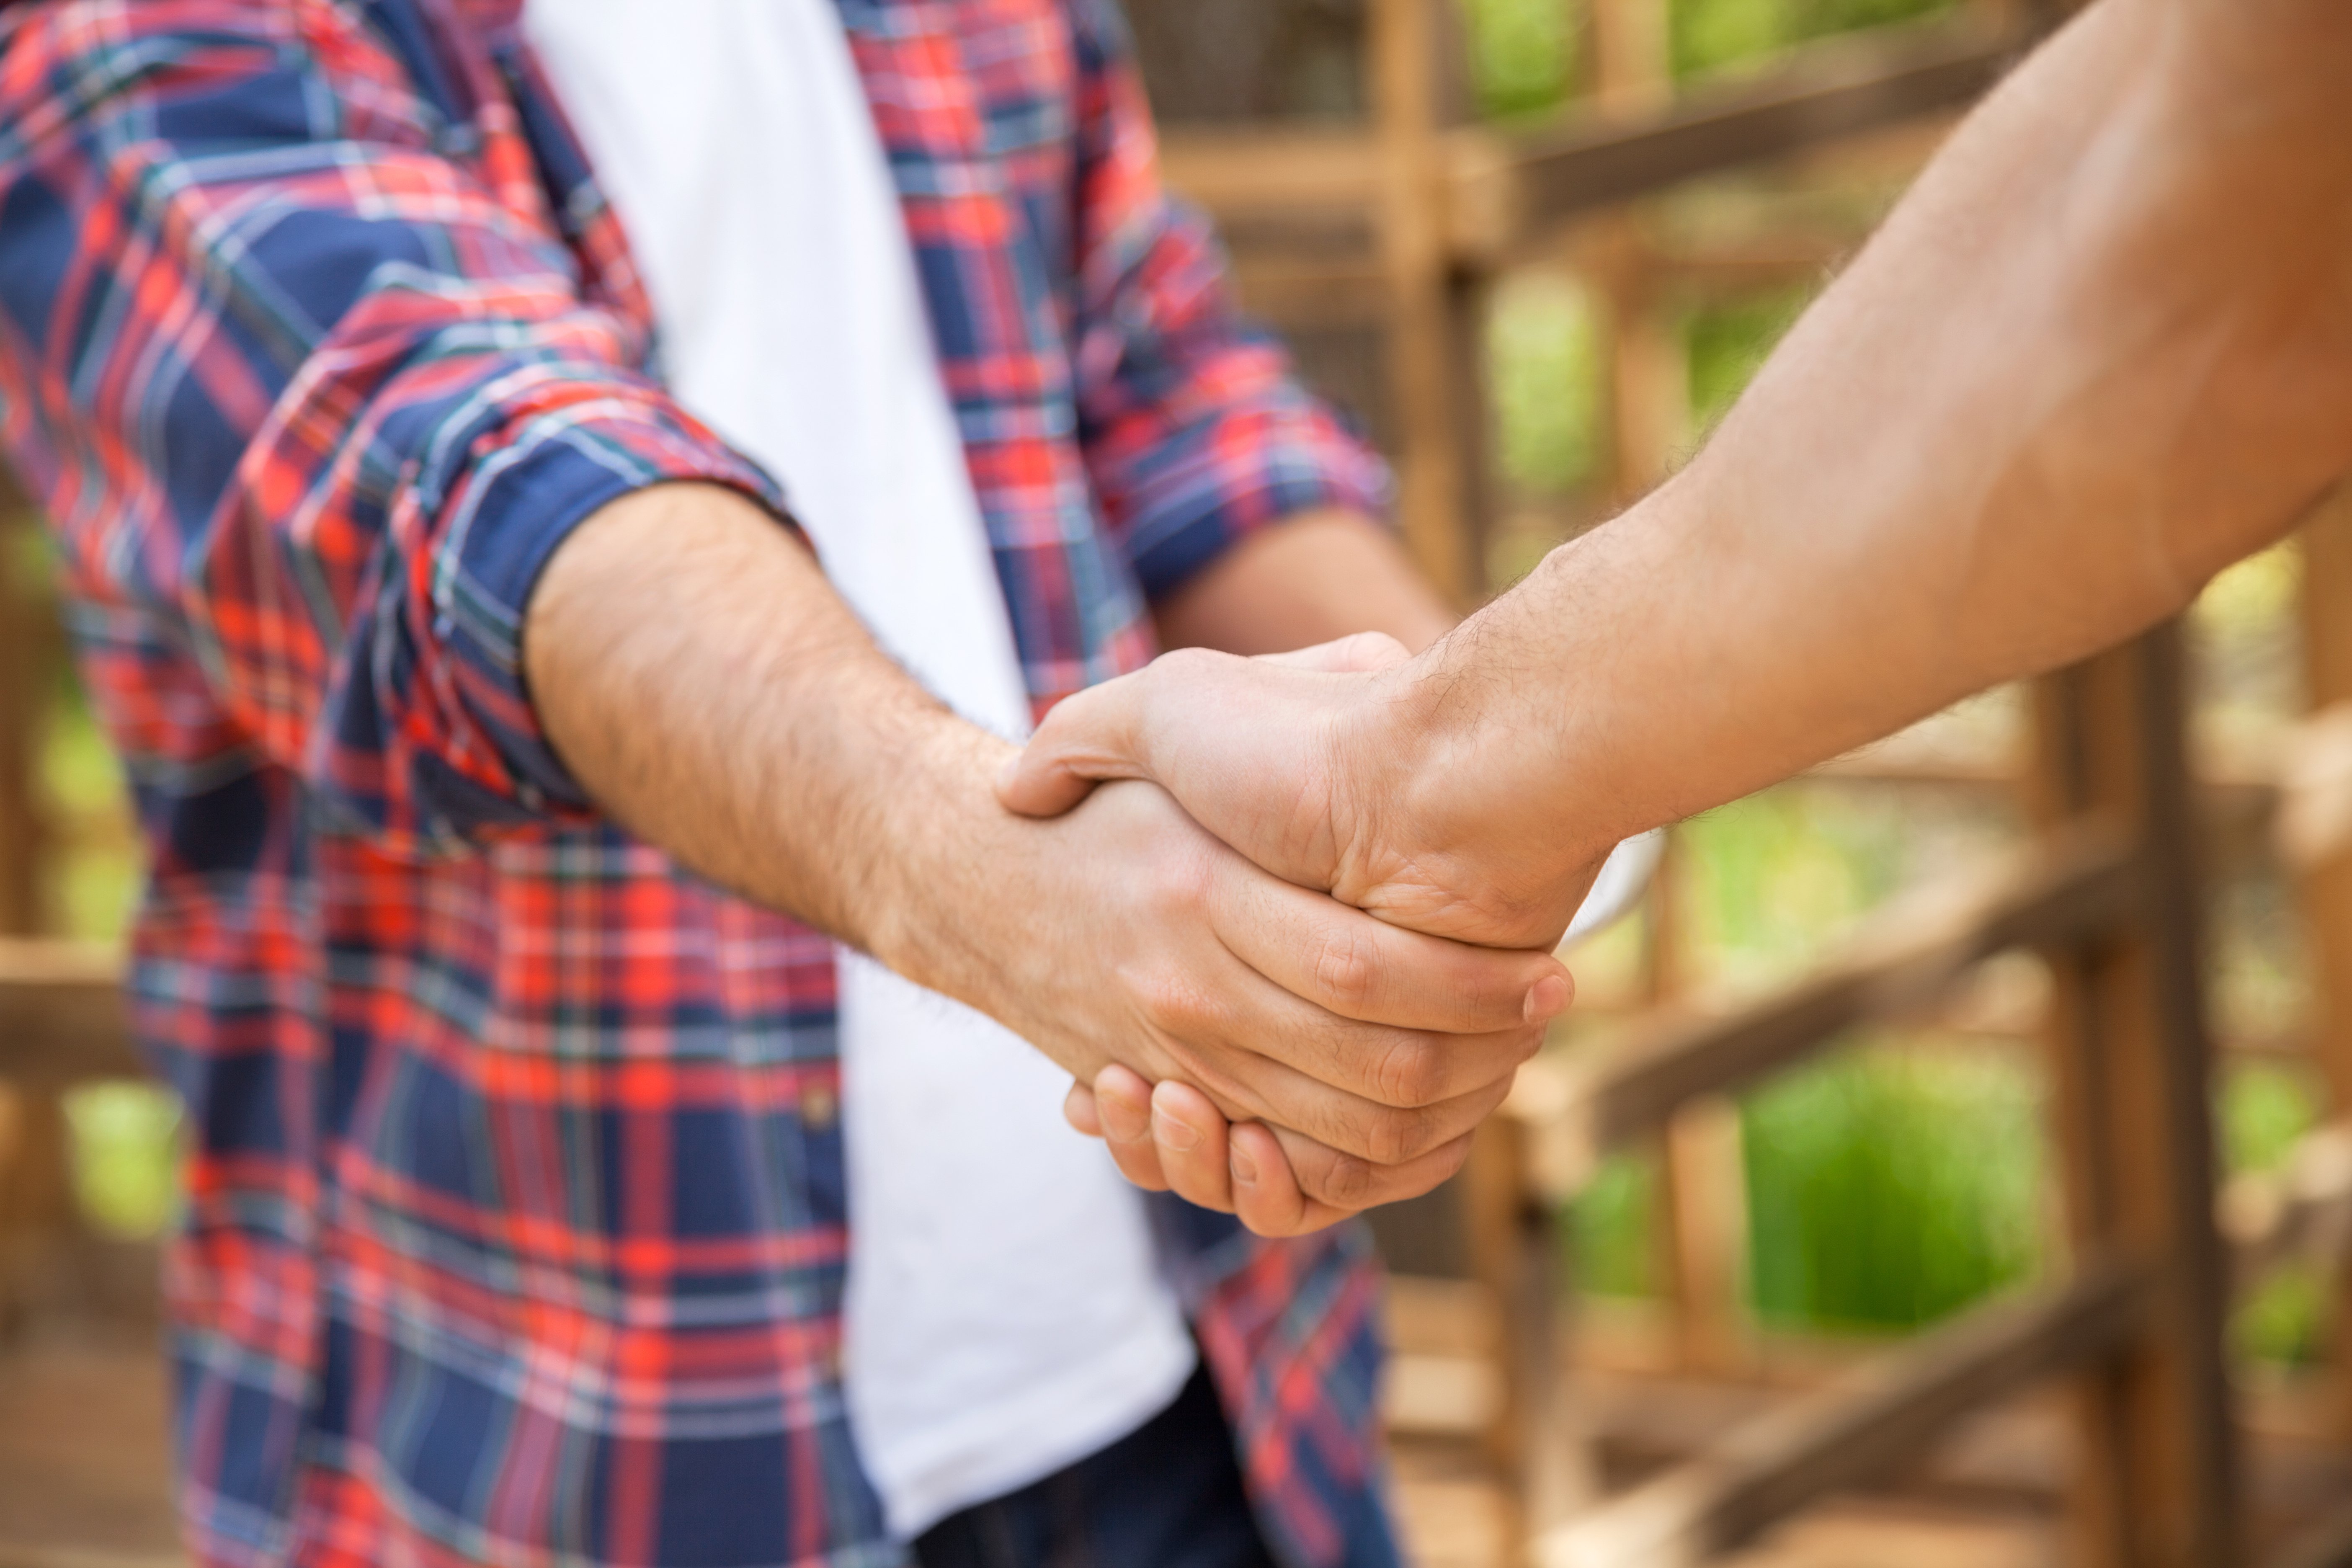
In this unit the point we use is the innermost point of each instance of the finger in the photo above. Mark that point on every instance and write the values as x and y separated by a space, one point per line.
1191 1133
1086 739
1258 1017
1123 1101
1347 1184
1261 1054
1354 654
1265 1190
1347 963
1079 1108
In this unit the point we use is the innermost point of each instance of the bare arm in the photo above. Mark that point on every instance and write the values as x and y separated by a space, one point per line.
1310 579
2103 348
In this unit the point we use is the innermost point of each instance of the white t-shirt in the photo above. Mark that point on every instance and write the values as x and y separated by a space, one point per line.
1006 1315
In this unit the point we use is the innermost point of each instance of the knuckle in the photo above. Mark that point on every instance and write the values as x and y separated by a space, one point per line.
1179 885
1399 1136
1448 1163
1345 969
1345 1181
1175 1006
1181 664
1410 1071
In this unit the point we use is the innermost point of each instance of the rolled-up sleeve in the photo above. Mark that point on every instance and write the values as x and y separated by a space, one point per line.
1196 429
300 369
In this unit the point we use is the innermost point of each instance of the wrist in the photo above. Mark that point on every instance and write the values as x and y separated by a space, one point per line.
932 911
1482 774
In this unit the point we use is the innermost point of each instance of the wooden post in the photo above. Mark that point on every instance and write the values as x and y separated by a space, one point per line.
1432 322
1632 67
2325 888
1515 1253
1702 1211
2132 1064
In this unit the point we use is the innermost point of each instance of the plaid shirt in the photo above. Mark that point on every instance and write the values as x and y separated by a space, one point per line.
515 1228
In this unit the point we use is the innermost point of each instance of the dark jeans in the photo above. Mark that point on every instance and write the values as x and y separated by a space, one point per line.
1168 1495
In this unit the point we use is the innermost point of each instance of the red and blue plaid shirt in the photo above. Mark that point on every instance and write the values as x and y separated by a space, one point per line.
515 1221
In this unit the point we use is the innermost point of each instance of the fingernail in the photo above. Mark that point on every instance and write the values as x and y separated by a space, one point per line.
1546 1000
1244 1168
1181 1136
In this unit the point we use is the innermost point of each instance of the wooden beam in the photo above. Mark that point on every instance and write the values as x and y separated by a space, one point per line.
1285 174
1874 1421
62 1019
1505 190
2132 1106
2071 883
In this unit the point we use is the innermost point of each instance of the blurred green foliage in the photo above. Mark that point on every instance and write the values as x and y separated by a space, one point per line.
1888 1186
1523 55
1547 383
84 790
1528 56
1713 35
125 1156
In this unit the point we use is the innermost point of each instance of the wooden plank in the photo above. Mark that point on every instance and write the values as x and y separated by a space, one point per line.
1504 191
1283 172
1874 1421
1707 1224
1633 56
2072 883
2132 1070
62 1019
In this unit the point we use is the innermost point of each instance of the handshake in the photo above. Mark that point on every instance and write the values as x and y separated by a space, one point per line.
1335 979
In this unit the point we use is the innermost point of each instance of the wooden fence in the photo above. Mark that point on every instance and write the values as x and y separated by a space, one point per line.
1371 217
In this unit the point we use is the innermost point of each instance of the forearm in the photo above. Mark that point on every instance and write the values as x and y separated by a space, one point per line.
2101 351
1309 579
711 692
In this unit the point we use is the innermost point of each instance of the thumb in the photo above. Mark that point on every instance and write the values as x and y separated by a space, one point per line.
1357 655
1086 739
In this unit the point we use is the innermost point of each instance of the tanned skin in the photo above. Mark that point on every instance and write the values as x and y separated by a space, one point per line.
2102 348
712 693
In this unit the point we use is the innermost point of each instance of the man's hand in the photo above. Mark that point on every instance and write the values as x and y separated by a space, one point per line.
1329 768
1124 935
729 708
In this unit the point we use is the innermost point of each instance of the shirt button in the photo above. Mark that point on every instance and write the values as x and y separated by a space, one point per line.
820 1108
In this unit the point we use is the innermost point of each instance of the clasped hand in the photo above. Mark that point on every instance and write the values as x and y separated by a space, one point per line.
1339 770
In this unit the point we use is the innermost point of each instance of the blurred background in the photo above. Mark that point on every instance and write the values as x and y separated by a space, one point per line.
1537 248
